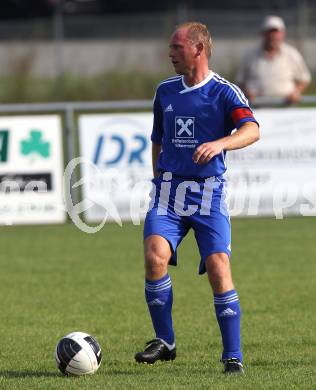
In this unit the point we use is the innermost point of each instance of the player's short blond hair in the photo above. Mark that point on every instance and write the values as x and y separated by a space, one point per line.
198 32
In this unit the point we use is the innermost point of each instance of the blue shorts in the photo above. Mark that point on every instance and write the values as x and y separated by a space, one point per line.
180 204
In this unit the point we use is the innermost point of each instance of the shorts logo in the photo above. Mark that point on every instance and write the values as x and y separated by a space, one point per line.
184 127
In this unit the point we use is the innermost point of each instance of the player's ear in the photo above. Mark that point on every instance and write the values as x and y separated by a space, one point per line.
199 48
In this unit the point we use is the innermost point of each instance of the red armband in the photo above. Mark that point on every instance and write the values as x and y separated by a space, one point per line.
241 113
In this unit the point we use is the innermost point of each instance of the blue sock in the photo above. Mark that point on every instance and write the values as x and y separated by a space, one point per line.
159 299
228 317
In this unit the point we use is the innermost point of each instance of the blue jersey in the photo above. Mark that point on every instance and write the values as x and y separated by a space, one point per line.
186 117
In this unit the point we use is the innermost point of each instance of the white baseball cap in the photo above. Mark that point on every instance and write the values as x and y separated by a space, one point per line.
272 22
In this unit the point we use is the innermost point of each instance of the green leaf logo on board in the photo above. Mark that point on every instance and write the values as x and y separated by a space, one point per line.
35 144
4 145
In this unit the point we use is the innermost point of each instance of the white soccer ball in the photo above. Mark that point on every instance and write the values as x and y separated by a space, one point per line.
78 353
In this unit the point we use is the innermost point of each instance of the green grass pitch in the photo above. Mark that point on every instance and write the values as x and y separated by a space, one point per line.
56 279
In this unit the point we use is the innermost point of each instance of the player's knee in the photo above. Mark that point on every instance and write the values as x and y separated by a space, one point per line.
154 261
218 270
156 264
157 254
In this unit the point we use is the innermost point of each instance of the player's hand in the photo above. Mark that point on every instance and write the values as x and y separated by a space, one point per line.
205 152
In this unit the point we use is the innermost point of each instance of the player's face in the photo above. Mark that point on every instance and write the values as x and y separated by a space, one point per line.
182 52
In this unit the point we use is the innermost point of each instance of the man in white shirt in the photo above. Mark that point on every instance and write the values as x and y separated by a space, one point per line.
275 69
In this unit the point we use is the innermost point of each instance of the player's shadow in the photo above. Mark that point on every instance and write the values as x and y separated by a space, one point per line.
28 374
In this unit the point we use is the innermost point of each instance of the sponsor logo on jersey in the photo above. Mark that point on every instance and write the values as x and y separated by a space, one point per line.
184 127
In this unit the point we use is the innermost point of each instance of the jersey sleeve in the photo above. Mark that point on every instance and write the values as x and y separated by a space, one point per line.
157 131
236 107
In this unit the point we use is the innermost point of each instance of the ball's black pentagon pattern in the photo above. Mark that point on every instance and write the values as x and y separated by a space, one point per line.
95 347
66 350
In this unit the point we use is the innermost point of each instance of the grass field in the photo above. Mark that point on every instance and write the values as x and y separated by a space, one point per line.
56 279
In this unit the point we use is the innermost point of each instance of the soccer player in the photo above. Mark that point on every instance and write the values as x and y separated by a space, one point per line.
194 116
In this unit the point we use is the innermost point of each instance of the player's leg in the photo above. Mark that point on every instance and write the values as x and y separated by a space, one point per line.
227 309
157 254
163 232
159 298
219 273
213 235
158 287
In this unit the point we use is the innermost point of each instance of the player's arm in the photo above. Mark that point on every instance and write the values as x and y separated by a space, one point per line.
155 149
157 133
247 134
237 116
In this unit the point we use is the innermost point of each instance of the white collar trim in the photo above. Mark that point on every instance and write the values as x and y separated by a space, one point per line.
196 86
